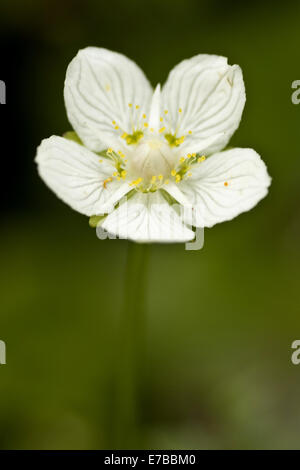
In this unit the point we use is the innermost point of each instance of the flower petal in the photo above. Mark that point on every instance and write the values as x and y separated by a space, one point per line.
155 109
99 86
77 177
225 185
205 98
147 217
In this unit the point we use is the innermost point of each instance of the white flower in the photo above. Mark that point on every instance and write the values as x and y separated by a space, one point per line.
155 147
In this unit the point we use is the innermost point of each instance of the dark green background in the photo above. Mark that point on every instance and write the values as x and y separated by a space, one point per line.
220 321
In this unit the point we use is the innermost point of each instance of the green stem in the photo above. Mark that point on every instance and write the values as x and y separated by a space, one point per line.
130 351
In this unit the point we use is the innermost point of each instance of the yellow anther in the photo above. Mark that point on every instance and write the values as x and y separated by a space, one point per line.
106 181
201 159
161 119
190 132
123 173
182 159
189 173
145 124
109 150
136 182
226 183
114 122
118 178
160 177
100 161
130 105
193 154
115 173
166 111
189 155
177 178
116 127
173 172
167 182
124 135
144 116
137 106
153 179
162 129
180 110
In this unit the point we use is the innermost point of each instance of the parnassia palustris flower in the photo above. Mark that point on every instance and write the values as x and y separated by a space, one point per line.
150 163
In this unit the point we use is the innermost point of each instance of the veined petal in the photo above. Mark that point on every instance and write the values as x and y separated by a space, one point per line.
205 98
225 185
155 109
147 217
76 176
99 87
174 190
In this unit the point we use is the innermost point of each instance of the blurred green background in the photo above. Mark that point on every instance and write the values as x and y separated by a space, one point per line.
220 321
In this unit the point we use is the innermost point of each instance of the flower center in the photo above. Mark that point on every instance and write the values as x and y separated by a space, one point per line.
152 158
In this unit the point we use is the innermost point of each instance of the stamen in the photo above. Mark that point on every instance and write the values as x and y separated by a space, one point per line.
108 180
136 182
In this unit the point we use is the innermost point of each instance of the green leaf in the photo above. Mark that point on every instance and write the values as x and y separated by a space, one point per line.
95 220
71 135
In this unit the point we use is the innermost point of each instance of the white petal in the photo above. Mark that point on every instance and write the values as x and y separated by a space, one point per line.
147 217
99 86
76 176
175 191
155 109
225 185
211 95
